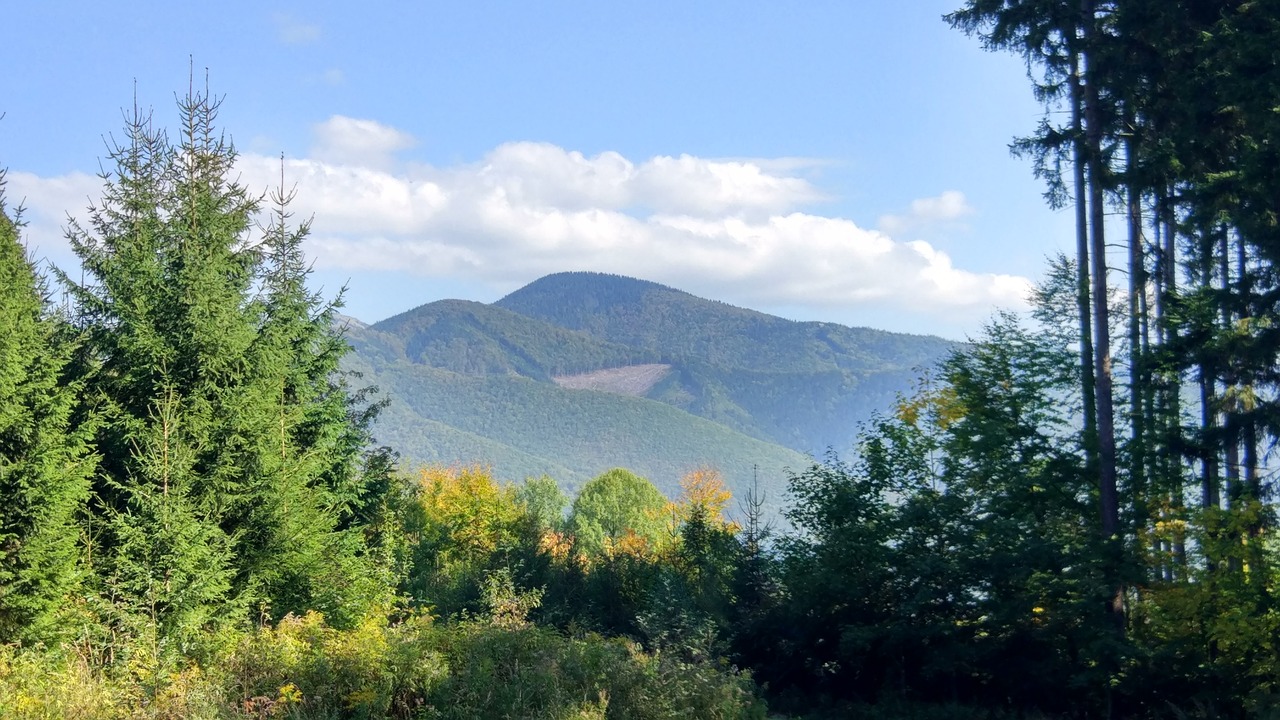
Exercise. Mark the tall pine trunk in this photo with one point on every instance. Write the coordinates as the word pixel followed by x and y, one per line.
pixel 1108 497
pixel 1087 382
pixel 1137 321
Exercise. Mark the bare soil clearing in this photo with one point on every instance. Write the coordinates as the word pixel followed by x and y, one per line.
pixel 634 380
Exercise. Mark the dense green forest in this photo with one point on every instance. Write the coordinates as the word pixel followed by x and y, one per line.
pixel 572 428
pixel 1071 516
pixel 803 385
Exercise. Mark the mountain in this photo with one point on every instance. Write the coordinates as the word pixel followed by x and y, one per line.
pixel 522 428
pixel 579 372
pixel 477 339
pixel 643 314
pixel 805 385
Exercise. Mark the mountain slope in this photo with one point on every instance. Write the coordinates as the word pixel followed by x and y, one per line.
pixel 477 339
pixel 666 382
pixel 524 427
pixel 643 314
pixel 806 385
pixel 425 441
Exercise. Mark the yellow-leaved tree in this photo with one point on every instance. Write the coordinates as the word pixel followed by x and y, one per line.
pixel 468 527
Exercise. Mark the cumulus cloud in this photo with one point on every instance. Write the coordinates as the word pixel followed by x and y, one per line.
pixel 52 198
pixel 928 214
pixel 342 140
pixel 48 204
pixel 703 187
pixel 734 229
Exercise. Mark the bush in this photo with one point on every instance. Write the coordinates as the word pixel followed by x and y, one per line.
pixel 40 684
pixel 303 669
pixel 537 673
pixel 311 670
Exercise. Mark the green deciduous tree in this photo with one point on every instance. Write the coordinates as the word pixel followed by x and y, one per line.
pixel 467 526
pixel 544 502
pixel 615 506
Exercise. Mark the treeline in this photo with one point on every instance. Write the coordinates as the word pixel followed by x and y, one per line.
pixel 1073 517
pixel 955 568
pixel 1161 125
pixel 1161 130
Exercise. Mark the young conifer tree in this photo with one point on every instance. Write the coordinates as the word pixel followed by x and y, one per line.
pixel 44 460
pixel 300 542
pixel 225 410
pixel 166 329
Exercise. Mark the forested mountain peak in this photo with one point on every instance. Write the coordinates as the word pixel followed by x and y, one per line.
pixel 678 325
pixel 589 300
pixel 478 339
pixel 803 385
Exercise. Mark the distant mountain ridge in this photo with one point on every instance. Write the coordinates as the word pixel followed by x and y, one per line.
pixel 578 372
pixel 805 385
pixel 644 314
pixel 477 339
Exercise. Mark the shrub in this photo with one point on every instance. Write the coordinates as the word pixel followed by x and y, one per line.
pixel 49 684
pixel 310 670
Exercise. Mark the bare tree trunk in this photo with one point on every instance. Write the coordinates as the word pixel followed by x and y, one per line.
pixel 1210 491
pixel 1230 381
pixel 1173 391
pixel 1087 383
pixel 1108 497
pixel 1137 360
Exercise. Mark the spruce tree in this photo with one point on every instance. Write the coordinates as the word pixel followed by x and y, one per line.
pixel 44 460
pixel 235 444
pixel 301 542
pixel 166 330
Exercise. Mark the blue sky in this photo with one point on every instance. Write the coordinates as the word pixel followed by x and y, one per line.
pixel 839 161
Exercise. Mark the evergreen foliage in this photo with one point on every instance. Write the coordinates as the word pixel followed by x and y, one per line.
pixel 232 472
pixel 45 459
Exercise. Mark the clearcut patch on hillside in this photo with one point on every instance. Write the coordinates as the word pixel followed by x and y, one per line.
pixel 634 380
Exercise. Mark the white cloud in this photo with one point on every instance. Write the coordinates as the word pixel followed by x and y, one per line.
pixel 292 31
pixel 704 187
pixel 726 228
pixel 929 214
pixel 341 140
pixel 52 198
pixel 736 230
pixel 47 203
